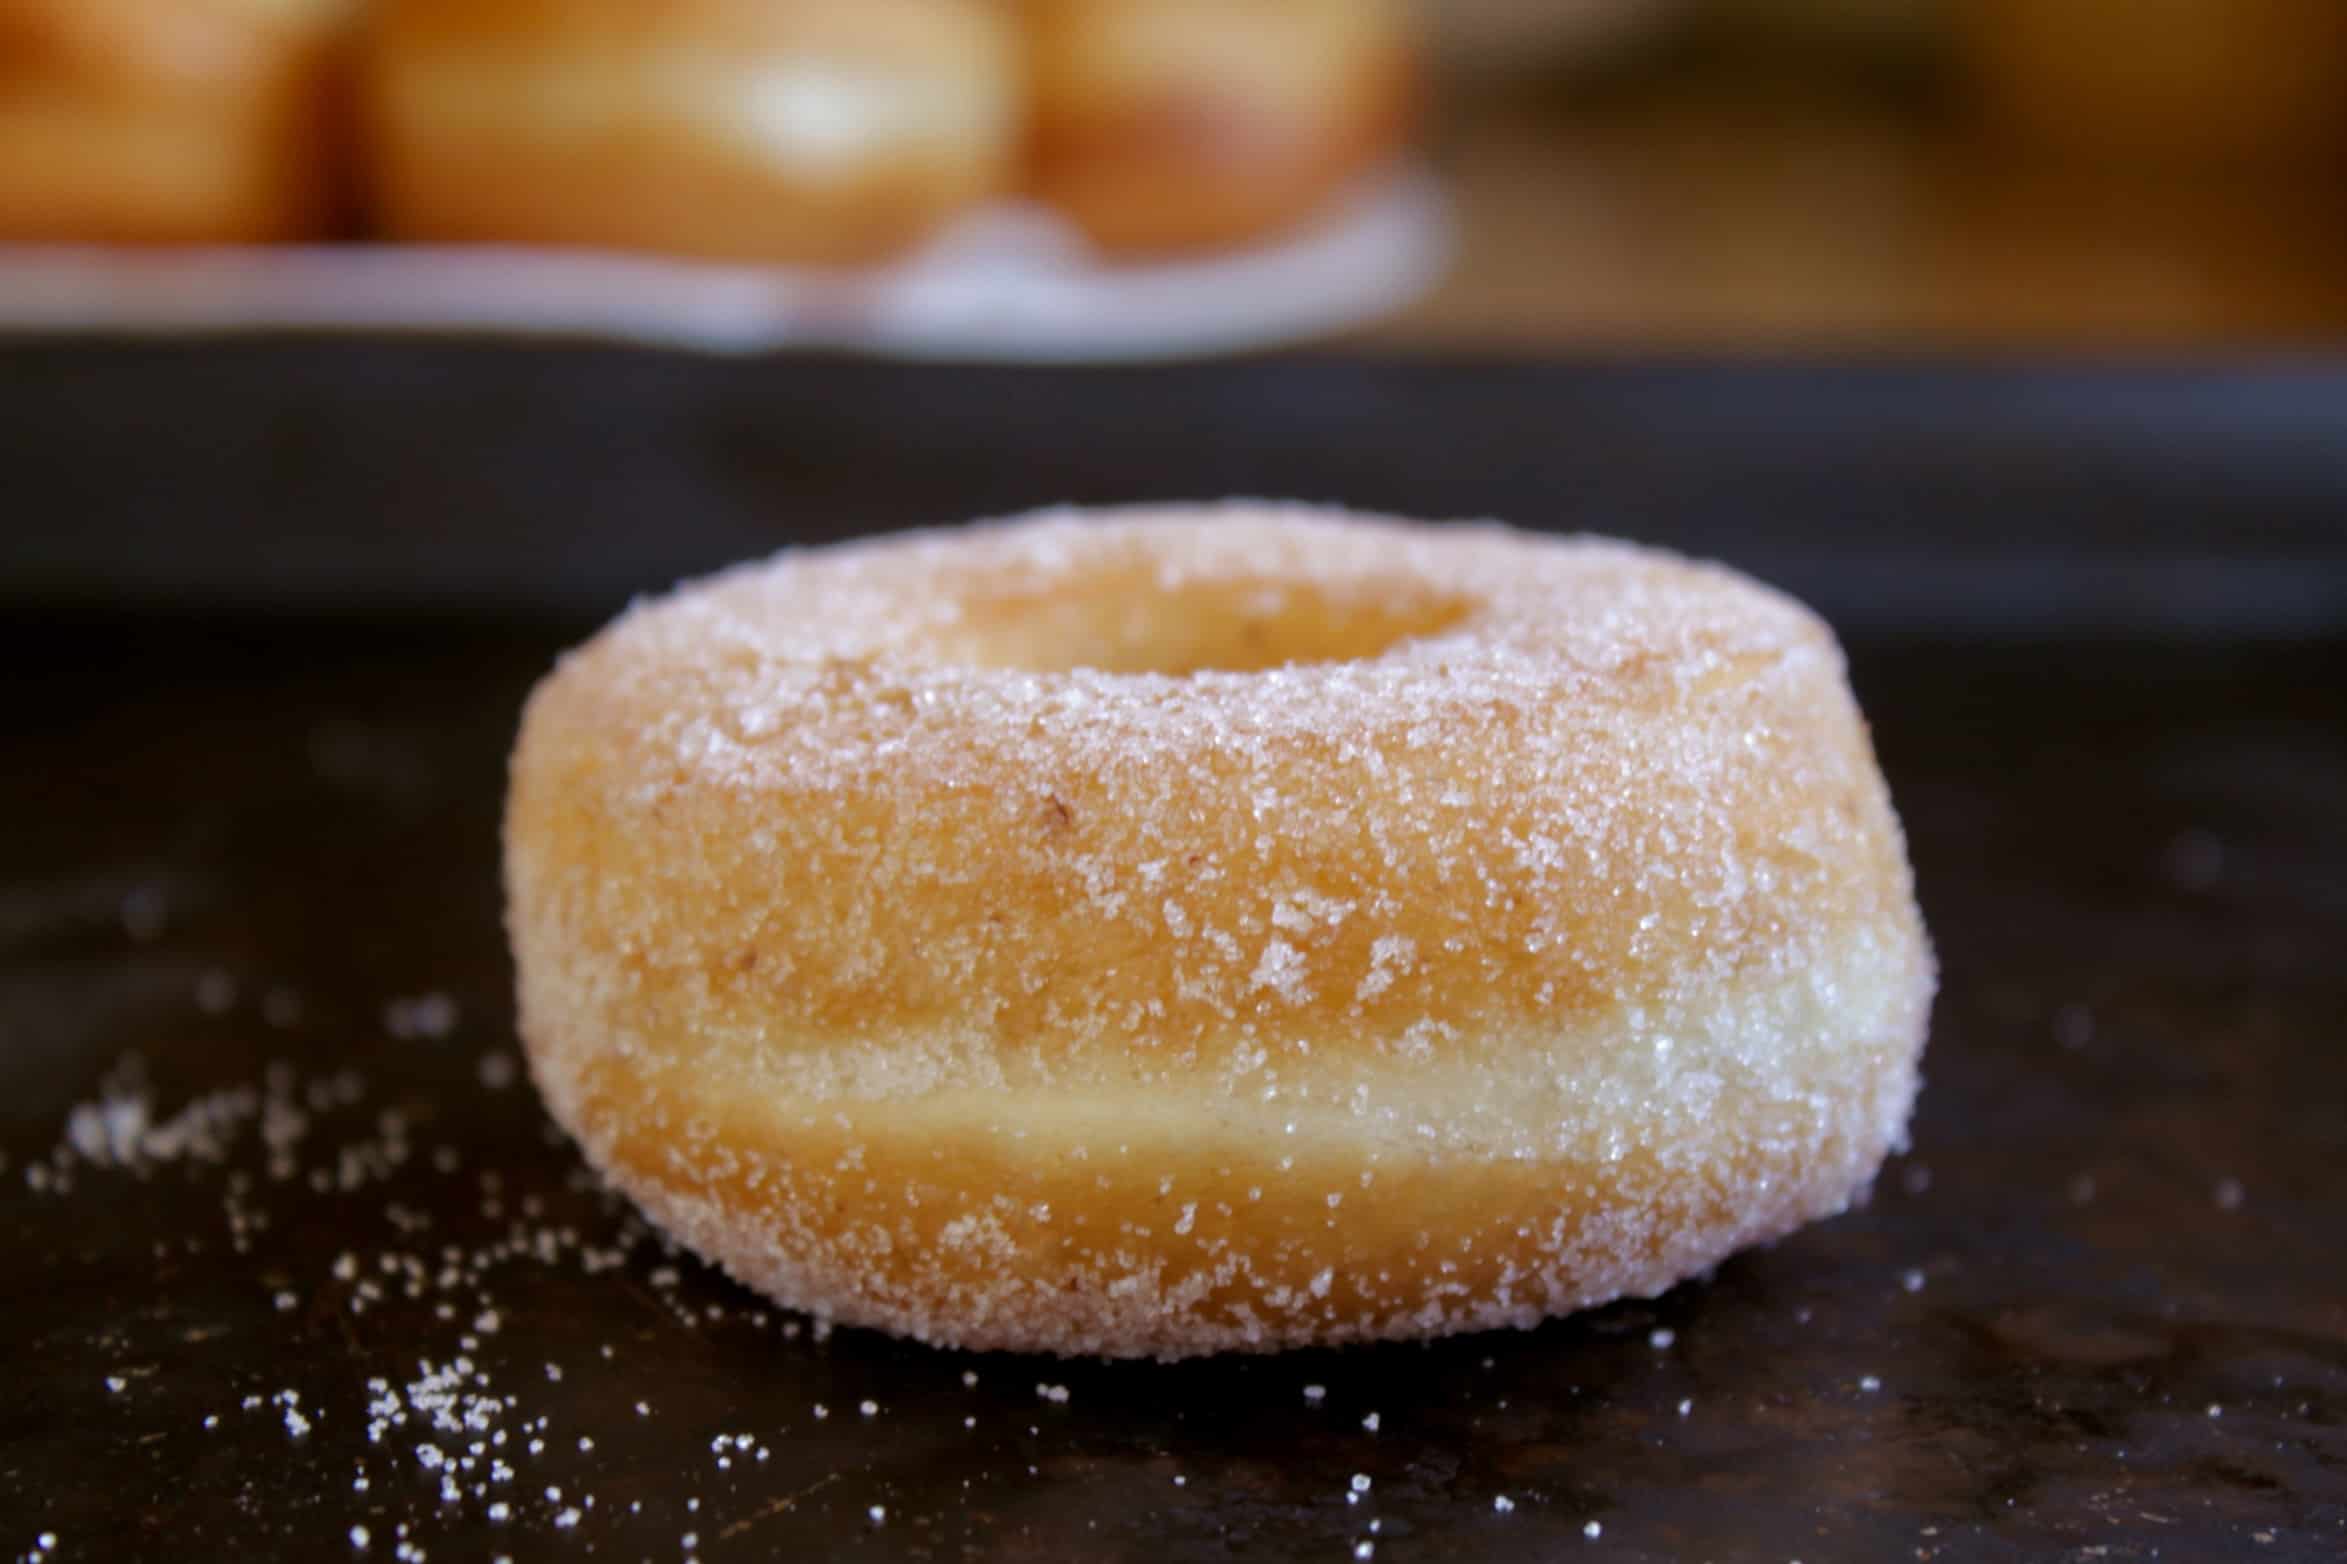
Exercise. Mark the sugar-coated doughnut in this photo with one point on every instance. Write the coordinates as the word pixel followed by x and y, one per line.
pixel 171 121
pixel 1215 928
pixel 1169 125
pixel 813 131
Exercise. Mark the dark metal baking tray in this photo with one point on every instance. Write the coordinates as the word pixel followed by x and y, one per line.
pixel 247 836
pixel 1983 499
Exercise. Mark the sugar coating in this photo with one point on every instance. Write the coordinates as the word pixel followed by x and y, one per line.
pixel 1215 927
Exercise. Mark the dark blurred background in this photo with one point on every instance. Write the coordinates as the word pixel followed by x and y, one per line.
pixel 2082 174
pixel 1969 173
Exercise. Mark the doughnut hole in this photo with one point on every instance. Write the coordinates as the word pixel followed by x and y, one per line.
pixel 1129 622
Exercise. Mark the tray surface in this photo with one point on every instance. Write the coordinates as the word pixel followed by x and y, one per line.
pixel 2102 1304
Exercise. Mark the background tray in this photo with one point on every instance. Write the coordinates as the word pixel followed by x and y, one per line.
pixel 270 615
pixel 1009 283
pixel 1988 499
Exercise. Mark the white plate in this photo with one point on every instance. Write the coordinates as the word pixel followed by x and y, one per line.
pixel 1010 283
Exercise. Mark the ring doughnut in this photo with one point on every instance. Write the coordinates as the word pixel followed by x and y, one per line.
pixel 171 121
pixel 1174 125
pixel 825 132
pixel 1215 928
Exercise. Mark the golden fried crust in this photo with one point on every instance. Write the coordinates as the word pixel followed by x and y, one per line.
pixel 1211 929
pixel 1169 125
pixel 172 121
pixel 816 131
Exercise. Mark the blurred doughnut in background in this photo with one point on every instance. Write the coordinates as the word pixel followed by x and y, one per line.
pixel 172 121
pixel 811 131
pixel 1169 125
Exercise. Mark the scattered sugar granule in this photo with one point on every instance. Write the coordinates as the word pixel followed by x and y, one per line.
pixel 821 1411
pixel 1661 1338
pixel 969 1379
pixel 144 913
pixel 1503 1503
pixel 1869 1384
pixel 215 992
pixel 879 1514
pixel 568 1518
pixel 2230 1194
pixel 358 1536
pixel 868 1408
pixel 1361 1482
pixel 1593 1531
pixel 1912 1280
pixel 1370 1422
pixel 1055 1394
pixel 1315 1394
pixel 1364 1550
pixel 2215 1410
pixel 116 1383
pixel 2194 859
pixel 1686 1407
pixel 430 1016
